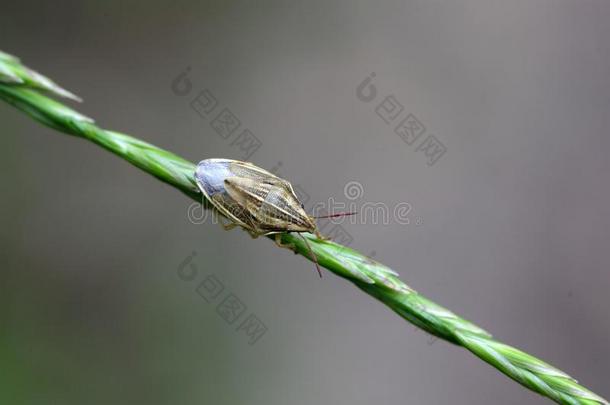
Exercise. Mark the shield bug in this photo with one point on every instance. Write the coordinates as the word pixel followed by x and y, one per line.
pixel 255 199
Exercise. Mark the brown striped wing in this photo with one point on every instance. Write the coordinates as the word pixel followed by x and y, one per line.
pixel 271 202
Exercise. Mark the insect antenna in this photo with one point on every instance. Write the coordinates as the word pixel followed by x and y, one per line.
pixel 313 255
pixel 341 214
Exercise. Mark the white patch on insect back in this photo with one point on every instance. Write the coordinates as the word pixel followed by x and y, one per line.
pixel 211 175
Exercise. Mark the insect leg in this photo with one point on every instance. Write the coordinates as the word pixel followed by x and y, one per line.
pixel 278 242
pixel 229 226
pixel 226 227
pixel 313 255
pixel 320 236
pixel 252 233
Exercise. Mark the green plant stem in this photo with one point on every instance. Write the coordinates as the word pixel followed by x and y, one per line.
pixel 19 86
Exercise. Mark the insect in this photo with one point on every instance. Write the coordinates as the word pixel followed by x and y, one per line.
pixel 256 200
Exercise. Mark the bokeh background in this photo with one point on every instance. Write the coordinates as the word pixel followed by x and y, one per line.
pixel 513 221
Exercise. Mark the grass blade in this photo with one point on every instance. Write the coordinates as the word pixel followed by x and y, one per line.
pixel 21 87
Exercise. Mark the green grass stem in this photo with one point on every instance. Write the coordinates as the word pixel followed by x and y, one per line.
pixel 28 90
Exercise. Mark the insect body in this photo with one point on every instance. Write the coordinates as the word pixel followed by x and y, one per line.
pixel 253 198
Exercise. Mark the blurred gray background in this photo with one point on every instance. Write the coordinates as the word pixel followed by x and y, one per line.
pixel 513 221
